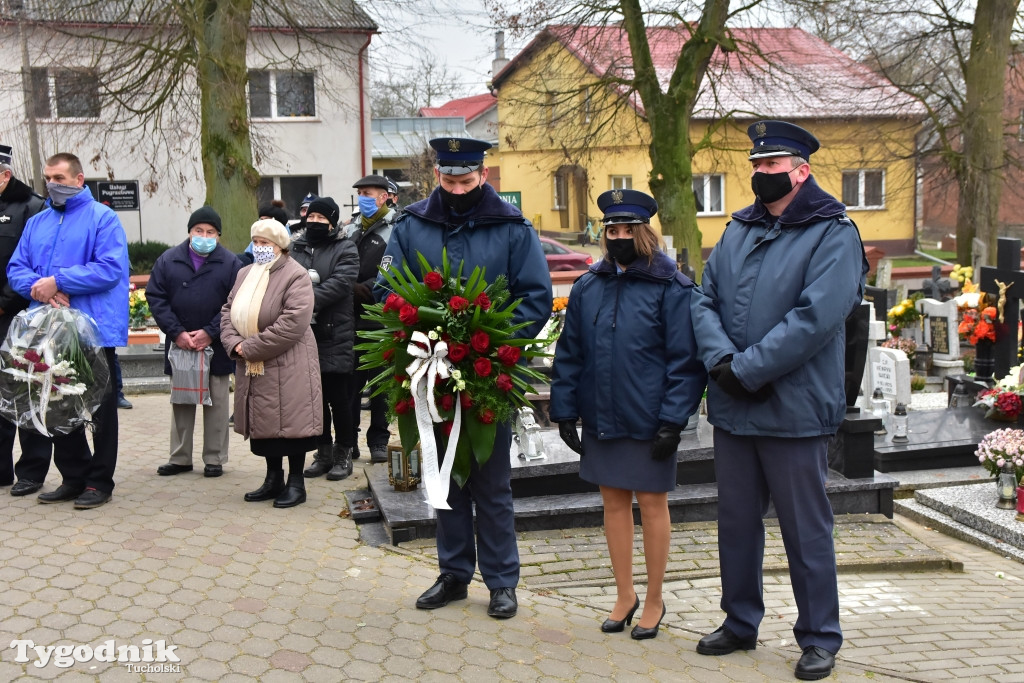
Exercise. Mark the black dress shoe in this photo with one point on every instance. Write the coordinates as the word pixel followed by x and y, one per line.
pixel 444 590
pixel 170 468
pixel 63 493
pixel 503 603
pixel 723 641
pixel 92 498
pixel 613 626
pixel 816 663
pixel 213 471
pixel 641 633
pixel 25 486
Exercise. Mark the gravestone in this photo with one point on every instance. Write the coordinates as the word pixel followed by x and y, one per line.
pixel 941 322
pixel 937 287
pixel 889 371
pixel 883 274
pixel 881 299
pixel 1008 272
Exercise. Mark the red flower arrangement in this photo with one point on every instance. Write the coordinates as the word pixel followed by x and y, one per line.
pixel 977 326
pixel 449 354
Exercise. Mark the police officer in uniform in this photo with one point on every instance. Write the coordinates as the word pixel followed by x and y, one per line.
pixel 465 215
pixel 18 203
pixel 769 319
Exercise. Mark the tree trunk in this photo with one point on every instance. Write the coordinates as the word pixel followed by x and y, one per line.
pixel 231 180
pixel 982 123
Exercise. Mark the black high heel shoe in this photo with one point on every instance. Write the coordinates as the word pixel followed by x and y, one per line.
pixel 612 626
pixel 641 633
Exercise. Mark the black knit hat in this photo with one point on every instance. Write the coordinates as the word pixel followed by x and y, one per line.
pixel 276 212
pixel 326 207
pixel 205 214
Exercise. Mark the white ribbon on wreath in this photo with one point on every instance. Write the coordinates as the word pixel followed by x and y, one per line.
pixel 430 361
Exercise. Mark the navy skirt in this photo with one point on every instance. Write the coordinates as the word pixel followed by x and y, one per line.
pixel 625 464
pixel 283 447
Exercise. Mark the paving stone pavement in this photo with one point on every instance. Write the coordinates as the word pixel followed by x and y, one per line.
pixel 246 592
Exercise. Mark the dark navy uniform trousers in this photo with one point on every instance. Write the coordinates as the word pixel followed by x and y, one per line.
pixel 494 542
pixel 753 471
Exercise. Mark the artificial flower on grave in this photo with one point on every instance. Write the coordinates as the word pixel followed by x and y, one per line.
pixel 138 307
pixel 962 274
pixel 903 314
pixel 452 365
pixel 54 371
pixel 1002 448
pixel 977 326
pixel 1004 401
pixel 970 295
pixel 904 344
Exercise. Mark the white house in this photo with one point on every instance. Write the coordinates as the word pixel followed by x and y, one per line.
pixel 308 105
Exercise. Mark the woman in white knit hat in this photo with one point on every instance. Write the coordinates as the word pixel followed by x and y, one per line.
pixel 265 328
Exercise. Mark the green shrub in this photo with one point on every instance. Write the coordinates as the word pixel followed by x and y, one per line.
pixel 917 382
pixel 968 359
pixel 142 255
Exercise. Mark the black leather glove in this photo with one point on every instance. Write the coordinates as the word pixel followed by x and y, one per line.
pixel 730 384
pixel 567 430
pixel 666 442
pixel 362 292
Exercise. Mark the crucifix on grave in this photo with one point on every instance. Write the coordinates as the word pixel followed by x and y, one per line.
pixel 1005 282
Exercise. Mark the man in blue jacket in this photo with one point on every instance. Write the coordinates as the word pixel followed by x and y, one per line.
pixel 467 217
pixel 74 253
pixel 187 288
pixel 769 318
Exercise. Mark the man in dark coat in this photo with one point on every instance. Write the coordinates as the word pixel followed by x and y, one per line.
pixel 187 288
pixel 18 203
pixel 370 231
pixel 466 217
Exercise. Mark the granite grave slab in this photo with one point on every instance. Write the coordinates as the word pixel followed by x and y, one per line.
pixel 937 439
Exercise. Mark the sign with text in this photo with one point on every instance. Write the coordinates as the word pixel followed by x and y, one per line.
pixel 119 195
pixel 884 374
pixel 513 198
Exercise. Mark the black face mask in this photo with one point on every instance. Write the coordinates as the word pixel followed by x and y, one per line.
pixel 462 203
pixel 317 232
pixel 771 187
pixel 622 251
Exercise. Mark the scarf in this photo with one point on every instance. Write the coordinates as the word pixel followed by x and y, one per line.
pixel 367 222
pixel 245 308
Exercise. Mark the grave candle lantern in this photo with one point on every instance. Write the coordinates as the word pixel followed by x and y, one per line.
pixel 403 468
pixel 879 410
pixel 900 429
pixel 1007 486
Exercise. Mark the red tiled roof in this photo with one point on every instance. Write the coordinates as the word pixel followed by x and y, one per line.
pixel 779 72
pixel 467 107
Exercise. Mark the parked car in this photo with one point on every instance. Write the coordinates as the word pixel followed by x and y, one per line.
pixel 561 257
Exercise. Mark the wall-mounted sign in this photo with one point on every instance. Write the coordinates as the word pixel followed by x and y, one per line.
pixel 119 195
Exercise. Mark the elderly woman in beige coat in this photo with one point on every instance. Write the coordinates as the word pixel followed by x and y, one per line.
pixel 265 329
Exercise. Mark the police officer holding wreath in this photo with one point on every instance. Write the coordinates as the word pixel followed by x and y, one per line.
pixel 769 318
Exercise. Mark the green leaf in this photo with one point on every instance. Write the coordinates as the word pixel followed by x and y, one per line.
pixel 461 466
pixel 408 432
pixel 481 438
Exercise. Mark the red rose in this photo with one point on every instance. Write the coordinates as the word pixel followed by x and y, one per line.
pixel 409 315
pixel 483 301
pixel 457 303
pixel 446 427
pixel 393 303
pixel 32 356
pixel 388 354
pixel 403 406
pixel 433 280
pixel 480 341
pixel 61 380
pixel 400 378
pixel 486 416
pixel 465 400
pixel 504 382
pixel 399 335
pixel 41 367
pixel 458 351
pixel 447 402
pixel 508 355
pixel 482 367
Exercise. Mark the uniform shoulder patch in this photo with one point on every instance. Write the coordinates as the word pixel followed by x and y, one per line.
pixel 385 263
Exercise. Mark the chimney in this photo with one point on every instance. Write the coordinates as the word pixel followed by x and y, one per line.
pixel 499 61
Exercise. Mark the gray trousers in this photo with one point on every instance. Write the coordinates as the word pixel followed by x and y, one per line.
pixel 216 431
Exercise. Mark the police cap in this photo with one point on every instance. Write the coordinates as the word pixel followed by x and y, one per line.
pixel 308 199
pixel 626 206
pixel 459 156
pixel 780 139
pixel 372 181
pixel 6 154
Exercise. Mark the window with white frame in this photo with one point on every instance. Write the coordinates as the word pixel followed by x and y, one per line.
pixel 707 191
pixel 864 189
pixel 561 193
pixel 290 189
pixel 586 104
pixel 65 93
pixel 620 182
pixel 281 94
pixel 1020 127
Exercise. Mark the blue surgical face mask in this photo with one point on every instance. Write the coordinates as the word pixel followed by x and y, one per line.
pixel 262 255
pixel 203 245
pixel 367 206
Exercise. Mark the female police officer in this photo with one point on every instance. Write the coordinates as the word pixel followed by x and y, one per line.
pixel 626 363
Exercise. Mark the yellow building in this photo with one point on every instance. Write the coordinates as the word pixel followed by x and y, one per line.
pixel 570 128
